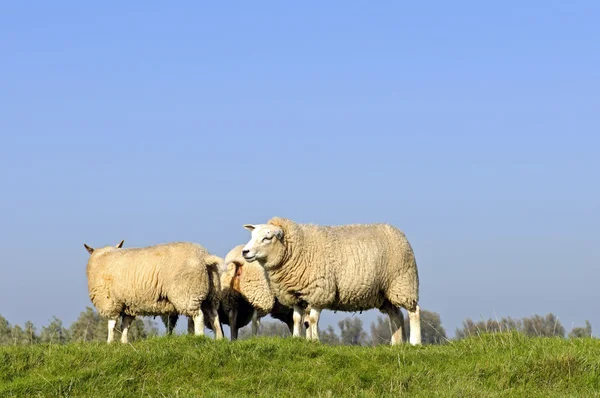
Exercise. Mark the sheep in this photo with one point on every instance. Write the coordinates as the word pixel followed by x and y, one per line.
pixel 345 268
pixel 167 279
pixel 246 295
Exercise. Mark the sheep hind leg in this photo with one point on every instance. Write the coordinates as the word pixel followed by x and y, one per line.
pixel 255 323
pixel 216 323
pixel 396 322
pixel 199 324
pixel 297 321
pixel 415 325
pixel 190 325
pixel 313 320
pixel 112 324
pixel 126 321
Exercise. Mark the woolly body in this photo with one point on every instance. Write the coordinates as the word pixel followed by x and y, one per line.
pixel 345 268
pixel 173 278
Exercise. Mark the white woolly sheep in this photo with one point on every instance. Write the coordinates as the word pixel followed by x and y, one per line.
pixel 344 268
pixel 173 278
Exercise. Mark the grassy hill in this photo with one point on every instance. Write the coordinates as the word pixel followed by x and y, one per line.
pixel 492 365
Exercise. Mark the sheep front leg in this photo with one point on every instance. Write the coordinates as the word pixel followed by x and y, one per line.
pixel 313 320
pixel 112 324
pixel 125 323
pixel 306 323
pixel 297 321
pixel 255 323
pixel 199 324
pixel 308 331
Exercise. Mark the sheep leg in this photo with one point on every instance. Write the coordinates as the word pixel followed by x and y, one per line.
pixel 233 324
pixel 255 323
pixel 171 322
pixel 306 323
pixel 190 327
pixel 415 326
pixel 297 321
pixel 125 323
pixel 199 324
pixel 216 323
pixel 112 324
pixel 313 320
pixel 396 324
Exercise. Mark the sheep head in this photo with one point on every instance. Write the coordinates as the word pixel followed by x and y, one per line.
pixel 266 245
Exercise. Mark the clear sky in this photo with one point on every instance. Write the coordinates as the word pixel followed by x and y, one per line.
pixel 474 128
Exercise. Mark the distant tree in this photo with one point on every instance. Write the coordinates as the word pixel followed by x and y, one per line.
pixel 548 326
pixel 18 336
pixel 579 332
pixel 30 333
pixel 328 336
pixel 432 331
pixel 381 333
pixel 267 329
pixel 275 328
pixel 5 332
pixel 351 331
pixel 151 328
pixel 535 325
pixel 508 324
pixel 471 328
pixel 54 332
pixel 245 333
pixel 89 326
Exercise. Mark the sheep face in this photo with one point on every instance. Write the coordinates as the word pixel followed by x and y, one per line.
pixel 265 246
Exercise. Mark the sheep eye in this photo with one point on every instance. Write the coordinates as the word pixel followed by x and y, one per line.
pixel 267 238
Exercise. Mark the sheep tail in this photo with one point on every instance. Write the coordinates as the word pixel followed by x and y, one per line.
pixel 213 261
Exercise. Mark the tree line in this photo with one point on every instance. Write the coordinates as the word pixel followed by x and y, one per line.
pixel 91 327
pixel 350 330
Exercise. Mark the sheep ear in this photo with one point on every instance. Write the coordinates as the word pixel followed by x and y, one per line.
pixel 249 227
pixel 278 232
pixel 238 268
pixel 89 249
pixel 120 245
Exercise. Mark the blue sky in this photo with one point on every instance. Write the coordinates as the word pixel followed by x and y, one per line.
pixel 472 127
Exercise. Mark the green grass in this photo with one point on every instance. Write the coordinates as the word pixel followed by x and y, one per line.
pixel 492 365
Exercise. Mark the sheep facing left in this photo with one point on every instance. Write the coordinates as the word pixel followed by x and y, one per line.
pixel 173 278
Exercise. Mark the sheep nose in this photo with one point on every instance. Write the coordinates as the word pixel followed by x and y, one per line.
pixel 245 251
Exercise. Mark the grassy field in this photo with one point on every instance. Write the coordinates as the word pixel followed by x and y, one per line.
pixel 492 365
